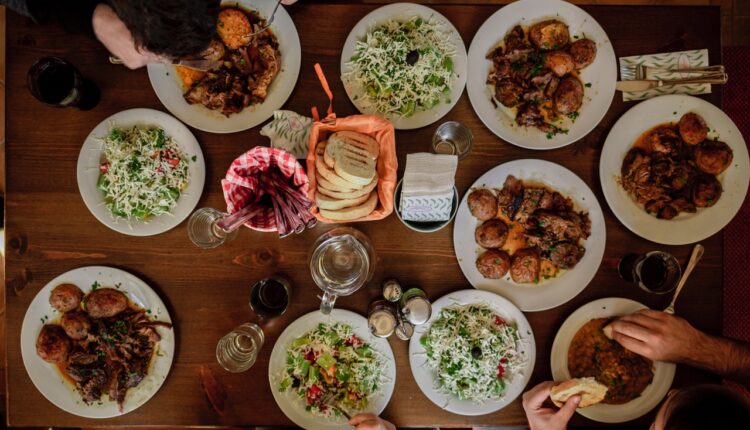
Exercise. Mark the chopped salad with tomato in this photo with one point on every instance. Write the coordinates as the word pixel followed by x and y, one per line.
pixel 143 173
pixel 473 351
pixel 331 359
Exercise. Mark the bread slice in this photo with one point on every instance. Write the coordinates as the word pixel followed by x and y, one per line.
pixel 608 331
pixel 354 168
pixel 328 185
pixel 360 142
pixel 353 212
pixel 350 194
pixel 330 203
pixel 590 390
pixel 328 173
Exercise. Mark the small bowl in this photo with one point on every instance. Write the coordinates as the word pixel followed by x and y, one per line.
pixel 427 226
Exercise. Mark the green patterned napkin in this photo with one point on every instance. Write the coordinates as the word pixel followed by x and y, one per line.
pixel 289 131
pixel 671 60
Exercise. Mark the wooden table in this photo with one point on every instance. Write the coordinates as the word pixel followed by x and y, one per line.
pixel 50 231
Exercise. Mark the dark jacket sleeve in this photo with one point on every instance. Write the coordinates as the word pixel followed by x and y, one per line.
pixel 74 15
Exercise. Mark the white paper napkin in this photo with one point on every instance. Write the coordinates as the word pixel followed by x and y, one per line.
pixel 427 187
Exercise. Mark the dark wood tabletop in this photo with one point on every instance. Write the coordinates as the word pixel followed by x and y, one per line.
pixel 50 231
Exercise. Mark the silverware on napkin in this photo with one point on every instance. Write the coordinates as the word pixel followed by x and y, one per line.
pixel 647 84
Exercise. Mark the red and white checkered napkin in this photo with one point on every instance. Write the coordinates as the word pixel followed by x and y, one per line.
pixel 241 185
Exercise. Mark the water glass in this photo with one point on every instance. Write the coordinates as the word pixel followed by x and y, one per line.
pixel 238 350
pixel 452 138
pixel 270 297
pixel 204 231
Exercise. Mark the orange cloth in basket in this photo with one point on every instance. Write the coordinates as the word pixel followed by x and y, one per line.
pixel 376 127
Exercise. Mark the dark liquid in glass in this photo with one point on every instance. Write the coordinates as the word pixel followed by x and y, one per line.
pixel 656 274
pixel 269 298
pixel 56 82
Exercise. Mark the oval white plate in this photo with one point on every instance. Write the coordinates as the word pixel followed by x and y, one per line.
pixel 552 292
pixel 426 378
pixel 91 156
pixel 168 88
pixel 605 308
pixel 403 12
pixel 48 379
pixel 685 228
pixel 601 74
pixel 291 405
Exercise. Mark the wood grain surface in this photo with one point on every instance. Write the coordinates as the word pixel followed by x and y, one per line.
pixel 50 231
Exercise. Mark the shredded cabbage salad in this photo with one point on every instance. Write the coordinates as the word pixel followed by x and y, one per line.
pixel 403 67
pixel 331 359
pixel 473 351
pixel 143 173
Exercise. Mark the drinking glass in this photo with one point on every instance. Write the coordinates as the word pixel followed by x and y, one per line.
pixel 237 351
pixel 58 83
pixel 452 138
pixel 204 231
pixel 341 262
pixel 270 297
pixel 657 272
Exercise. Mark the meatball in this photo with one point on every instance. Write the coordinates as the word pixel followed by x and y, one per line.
pixel 561 63
pixel 105 303
pixel 713 157
pixel 693 128
pixel 76 325
pixel 508 92
pixel 566 255
pixel 583 52
pixel 549 35
pixel 706 191
pixel 491 234
pixel 52 345
pixel 569 95
pixel 493 263
pixel 65 297
pixel 525 265
pixel 483 204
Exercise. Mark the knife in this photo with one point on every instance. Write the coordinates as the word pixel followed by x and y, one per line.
pixel 200 64
pixel 644 85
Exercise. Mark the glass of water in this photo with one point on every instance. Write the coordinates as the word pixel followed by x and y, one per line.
pixel 238 350
pixel 204 231
pixel 453 138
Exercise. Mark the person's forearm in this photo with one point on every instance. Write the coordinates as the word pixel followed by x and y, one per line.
pixel 726 357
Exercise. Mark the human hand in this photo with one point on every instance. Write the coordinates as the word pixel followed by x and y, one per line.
pixel 288 2
pixel 370 422
pixel 657 335
pixel 543 418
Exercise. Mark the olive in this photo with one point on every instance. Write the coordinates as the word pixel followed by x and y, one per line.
pixel 476 352
pixel 412 57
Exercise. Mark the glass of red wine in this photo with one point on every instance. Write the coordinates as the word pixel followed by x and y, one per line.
pixel 270 297
pixel 657 272
pixel 58 83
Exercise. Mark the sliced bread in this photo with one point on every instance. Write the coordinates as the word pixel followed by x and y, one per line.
pixel 362 143
pixel 353 212
pixel 329 174
pixel 330 203
pixel 353 168
pixel 349 194
pixel 590 390
pixel 330 186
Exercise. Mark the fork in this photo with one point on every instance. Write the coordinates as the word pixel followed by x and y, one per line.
pixel 330 400
pixel 269 21
pixel 694 258
pixel 641 70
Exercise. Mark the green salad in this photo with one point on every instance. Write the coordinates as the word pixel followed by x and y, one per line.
pixel 143 173
pixel 403 67
pixel 473 351
pixel 331 360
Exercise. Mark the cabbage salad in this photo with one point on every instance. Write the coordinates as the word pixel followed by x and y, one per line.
pixel 473 351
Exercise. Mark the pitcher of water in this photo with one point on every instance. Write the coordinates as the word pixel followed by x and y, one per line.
pixel 341 262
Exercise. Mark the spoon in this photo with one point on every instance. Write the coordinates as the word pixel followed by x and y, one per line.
pixel 694 258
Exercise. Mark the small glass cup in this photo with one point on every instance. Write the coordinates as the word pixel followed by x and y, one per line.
pixel 204 231
pixel 656 272
pixel 270 297
pixel 55 82
pixel 237 351
pixel 452 138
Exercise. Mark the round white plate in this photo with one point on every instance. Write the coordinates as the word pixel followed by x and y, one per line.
pixel 48 379
pixel 601 74
pixel 685 228
pixel 404 12
pixel 651 396
pixel 552 292
pixel 168 87
pixel 426 378
pixel 91 156
pixel 291 405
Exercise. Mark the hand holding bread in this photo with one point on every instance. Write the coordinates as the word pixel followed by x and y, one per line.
pixel 590 390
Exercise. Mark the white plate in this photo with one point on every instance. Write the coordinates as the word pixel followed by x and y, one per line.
pixel 168 87
pixel 48 379
pixel 552 292
pixel 91 156
pixel 291 405
pixel 404 12
pixel 601 74
pixel 426 378
pixel 685 228
pixel 651 396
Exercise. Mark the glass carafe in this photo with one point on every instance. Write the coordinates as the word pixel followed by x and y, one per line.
pixel 341 262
